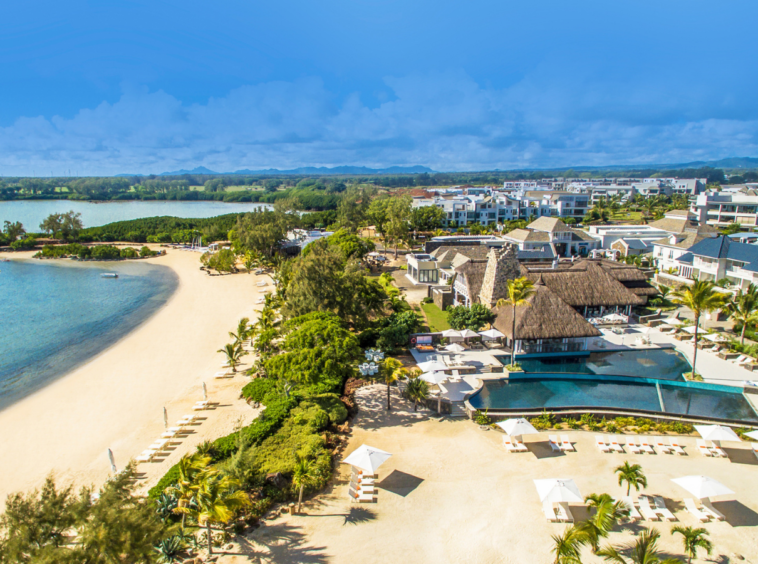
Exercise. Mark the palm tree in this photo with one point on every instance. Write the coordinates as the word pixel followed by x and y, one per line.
pixel 305 474
pixel 607 514
pixel 233 355
pixel 216 500
pixel 633 475
pixel 519 292
pixel 662 299
pixel 567 547
pixel 243 331
pixel 743 309
pixel 693 539
pixel 190 467
pixel 392 371
pixel 417 390
pixel 699 298
pixel 643 551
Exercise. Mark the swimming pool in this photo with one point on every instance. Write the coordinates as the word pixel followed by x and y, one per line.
pixel 553 391
pixel 662 364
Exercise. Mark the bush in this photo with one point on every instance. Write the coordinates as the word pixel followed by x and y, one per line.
pixel 482 418
pixel 257 389
pixel 146 252
pixel 332 405
pixel 278 453
pixel 128 253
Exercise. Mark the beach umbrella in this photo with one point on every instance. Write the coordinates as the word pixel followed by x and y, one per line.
pixel 367 458
pixel 491 334
pixel 468 333
pixel 432 366
pixel 752 435
pixel 112 461
pixel 672 321
pixel 165 418
pixel 690 329
pixel 715 337
pixel 517 427
pixel 434 377
pixel 451 333
pixel 717 433
pixel 205 392
pixel 615 318
pixel 558 490
pixel 455 347
pixel 702 486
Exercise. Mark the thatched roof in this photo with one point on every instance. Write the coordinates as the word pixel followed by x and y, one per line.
pixel 587 284
pixel 472 274
pixel 547 317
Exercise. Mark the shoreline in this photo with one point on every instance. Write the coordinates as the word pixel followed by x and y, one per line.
pixel 115 399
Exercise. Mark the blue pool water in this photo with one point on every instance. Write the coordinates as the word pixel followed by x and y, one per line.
pixel 662 364
pixel 551 391
pixel 55 315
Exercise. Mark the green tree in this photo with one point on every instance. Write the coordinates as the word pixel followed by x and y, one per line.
pixel 743 309
pixel 217 499
pixel 693 540
pixel 71 224
pixel 190 468
pixel 606 515
pixel 304 475
pixel 13 230
pixel 643 551
pixel 391 370
pixel 472 317
pixel 263 232
pixel 567 546
pixel 426 218
pixel 519 292
pixel 242 333
pixel 52 224
pixel 699 298
pixel 234 354
pixel 396 227
pixel 731 229
pixel 416 391
pixel 398 329
pixel 633 475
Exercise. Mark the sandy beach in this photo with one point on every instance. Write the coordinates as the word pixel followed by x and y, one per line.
pixel 116 399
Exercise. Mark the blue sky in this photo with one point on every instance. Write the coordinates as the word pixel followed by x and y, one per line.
pixel 106 87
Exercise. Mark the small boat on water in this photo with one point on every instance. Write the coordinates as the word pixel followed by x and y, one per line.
pixel 109 275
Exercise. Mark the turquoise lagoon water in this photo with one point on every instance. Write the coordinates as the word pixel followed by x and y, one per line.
pixel 54 315
pixel 32 212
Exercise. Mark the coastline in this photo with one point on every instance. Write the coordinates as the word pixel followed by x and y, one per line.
pixel 115 400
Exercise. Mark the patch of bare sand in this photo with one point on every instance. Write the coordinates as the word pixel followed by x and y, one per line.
pixel 116 399
pixel 451 493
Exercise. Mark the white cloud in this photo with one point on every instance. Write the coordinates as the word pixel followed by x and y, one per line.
pixel 446 121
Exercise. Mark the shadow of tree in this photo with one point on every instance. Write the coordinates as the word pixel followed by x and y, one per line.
pixel 400 483
pixel 280 543
pixel 373 414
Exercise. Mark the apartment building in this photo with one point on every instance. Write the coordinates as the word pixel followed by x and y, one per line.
pixel 718 258
pixel 722 208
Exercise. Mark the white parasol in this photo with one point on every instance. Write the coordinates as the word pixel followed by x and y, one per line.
pixel 558 490
pixel 434 377
pixel 455 347
pixel 491 334
pixel 112 460
pixel 517 427
pixel 205 392
pixel 702 486
pixel 367 458
pixel 468 333
pixel 447 333
pixel 752 435
pixel 432 366
pixel 717 433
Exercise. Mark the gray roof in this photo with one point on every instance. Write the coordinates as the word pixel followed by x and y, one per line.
pixel 545 252
pixel 724 248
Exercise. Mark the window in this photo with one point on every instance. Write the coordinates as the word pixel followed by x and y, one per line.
pixel 427 276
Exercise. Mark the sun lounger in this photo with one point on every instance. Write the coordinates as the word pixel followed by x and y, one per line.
pixel 716 449
pixel 740 359
pixel 564 513
pixel 146 456
pixel 703 448
pixel 647 511
pixel 566 443
pixel 553 442
pixel 692 508
pixel 668 331
pixel 727 355
pixel 168 434
pixel 712 511
pixel 678 449
pixel 613 441
pixel 513 446
pixel 633 446
pixel 219 375
pixel 600 443
pixel 159 445
pixel 662 510
pixel 664 448
pixel 628 502
pixel 549 511
pixel 200 405
pixel 645 445
pixel 362 488
pixel 361 497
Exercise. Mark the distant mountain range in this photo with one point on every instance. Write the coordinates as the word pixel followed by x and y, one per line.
pixel 306 170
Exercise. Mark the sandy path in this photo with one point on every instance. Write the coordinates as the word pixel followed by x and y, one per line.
pixel 116 400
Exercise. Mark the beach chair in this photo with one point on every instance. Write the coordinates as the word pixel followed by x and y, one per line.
pixel 159 445
pixel 359 497
pixel 146 456
pixel 631 443
pixel 678 449
pixel 362 488
pixel 553 442
pixel 220 375
pixel 600 443
pixel 566 444
pixel 712 511
pixel 613 441
pixel 694 510
pixel 564 513
pixel 717 450
pixel 169 433
pixel 520 447
pixel 664 448
pixel 509 444
pixel 645 445
pixel 703 448
pixel 628 502
pixel 549 511
pixel 740 359
pixel 662 510
pixel 647 511
pixel 200 406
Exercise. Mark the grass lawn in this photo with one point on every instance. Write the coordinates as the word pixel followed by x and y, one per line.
pixel 627 216
pixel 435 318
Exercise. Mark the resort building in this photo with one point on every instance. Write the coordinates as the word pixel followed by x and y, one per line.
pixel 550 236
pixel 684 232
pixel 720 258
pixel 719 209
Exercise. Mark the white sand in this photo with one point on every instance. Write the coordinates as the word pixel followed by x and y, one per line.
pixel 116 399
pixel 452 494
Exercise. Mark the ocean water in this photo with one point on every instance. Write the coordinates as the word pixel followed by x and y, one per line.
pixel 32 212
pixel 55 315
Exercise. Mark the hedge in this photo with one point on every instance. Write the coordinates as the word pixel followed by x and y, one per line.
pixel 265 425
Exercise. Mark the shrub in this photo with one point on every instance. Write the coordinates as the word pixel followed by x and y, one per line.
pixel 128 253
pixel 278 453
pixel 332 405
pixel 146 252
pixel 573 423
pixel 258 388
pixel 611 427
pixel 482 418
